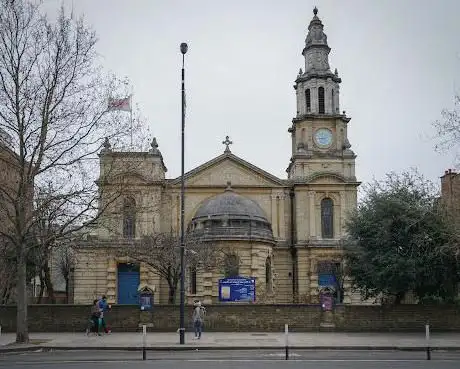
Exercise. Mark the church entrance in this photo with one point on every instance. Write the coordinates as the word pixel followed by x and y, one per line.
pixel 128 282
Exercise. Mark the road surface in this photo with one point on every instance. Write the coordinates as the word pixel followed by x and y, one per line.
pixel 230 360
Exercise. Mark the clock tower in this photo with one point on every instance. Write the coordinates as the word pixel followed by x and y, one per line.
pixel 319 130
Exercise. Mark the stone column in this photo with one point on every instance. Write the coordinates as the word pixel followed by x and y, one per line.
pixel 314 99
pixel 312 214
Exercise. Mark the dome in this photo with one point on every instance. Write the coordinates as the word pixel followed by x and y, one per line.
pixel 230 204
pixel 230 216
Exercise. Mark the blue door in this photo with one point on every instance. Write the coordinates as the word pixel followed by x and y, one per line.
pixel 128 283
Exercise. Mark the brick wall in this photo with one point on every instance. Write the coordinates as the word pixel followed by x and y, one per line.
pixel 397 318
pixel 126 318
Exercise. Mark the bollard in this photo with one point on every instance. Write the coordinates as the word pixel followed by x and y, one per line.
pixel 286 338
pixel 427 338
pixel 144 339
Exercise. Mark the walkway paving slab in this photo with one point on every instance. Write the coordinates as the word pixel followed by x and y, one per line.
pixel 226 341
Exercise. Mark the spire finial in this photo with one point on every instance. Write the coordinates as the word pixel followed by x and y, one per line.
pixel 154 147
pixel 315 10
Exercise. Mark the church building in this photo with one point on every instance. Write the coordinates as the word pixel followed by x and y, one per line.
pixel 286 232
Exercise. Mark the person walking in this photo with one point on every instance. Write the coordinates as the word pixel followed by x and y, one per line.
pixel 103 308
pixel 198 320
pixel 94 319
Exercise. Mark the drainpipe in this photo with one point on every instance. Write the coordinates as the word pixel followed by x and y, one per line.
pixel 293 248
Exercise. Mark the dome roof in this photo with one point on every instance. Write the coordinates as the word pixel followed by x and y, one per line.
pixel 230 204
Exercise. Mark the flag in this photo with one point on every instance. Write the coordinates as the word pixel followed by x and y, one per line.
pixel 120 104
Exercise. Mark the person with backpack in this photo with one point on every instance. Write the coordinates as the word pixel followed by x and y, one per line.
pixel 198 319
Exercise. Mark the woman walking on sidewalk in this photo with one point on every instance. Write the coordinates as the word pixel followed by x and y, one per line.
pixel 94 319
pixel 198 319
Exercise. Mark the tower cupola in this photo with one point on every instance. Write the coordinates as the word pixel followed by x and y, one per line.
pixel 317 87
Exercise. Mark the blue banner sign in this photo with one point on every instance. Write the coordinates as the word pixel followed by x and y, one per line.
pixel 237 289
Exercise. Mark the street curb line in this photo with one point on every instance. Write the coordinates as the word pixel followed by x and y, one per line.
pixel 227 348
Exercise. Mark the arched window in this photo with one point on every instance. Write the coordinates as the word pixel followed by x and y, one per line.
pixel 192 276
pixel 321 100
pixel 268 274
pixel 308 100
pixel 332 102
pixel 231 265
pixel 327 218
pixel 129 217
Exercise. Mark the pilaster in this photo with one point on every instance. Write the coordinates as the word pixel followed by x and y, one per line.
pixel 343 207
pixel 282 220
pixel 274 215
pixel 207 288
pixel 111 280
pixel 312 214
pixel 303 274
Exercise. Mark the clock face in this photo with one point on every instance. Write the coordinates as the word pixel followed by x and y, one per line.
pixel 323 137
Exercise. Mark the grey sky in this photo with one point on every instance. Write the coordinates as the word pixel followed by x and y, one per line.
pixel 399 63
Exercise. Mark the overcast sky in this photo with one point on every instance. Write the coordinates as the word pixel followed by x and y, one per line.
pixel 399 63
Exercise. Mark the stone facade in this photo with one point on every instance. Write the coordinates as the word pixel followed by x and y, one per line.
pixel 304 214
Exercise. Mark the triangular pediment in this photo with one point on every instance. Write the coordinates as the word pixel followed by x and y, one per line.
pixel 229 168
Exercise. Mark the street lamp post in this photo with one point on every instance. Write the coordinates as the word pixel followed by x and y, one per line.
pixel 183 50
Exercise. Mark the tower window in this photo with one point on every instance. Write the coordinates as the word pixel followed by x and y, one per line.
pixel 321 100
pixel 327 218
pixel 332 102
pixel 308 100
pixel 129 217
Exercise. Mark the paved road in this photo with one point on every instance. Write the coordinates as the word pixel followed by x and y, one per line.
pixel 229 359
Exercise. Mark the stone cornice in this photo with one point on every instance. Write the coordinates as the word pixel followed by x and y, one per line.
pixel 308 76
pixel 313 116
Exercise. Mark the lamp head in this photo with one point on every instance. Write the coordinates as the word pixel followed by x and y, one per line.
pixel 183 47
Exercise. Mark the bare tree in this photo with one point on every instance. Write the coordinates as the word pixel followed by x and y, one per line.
pixel 54 109
pixel 63 261
pixel 448 128
pixel 162 253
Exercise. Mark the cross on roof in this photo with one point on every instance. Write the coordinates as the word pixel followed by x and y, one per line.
pixel 227 143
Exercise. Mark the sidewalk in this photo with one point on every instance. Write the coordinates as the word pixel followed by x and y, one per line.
pixel 228 341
